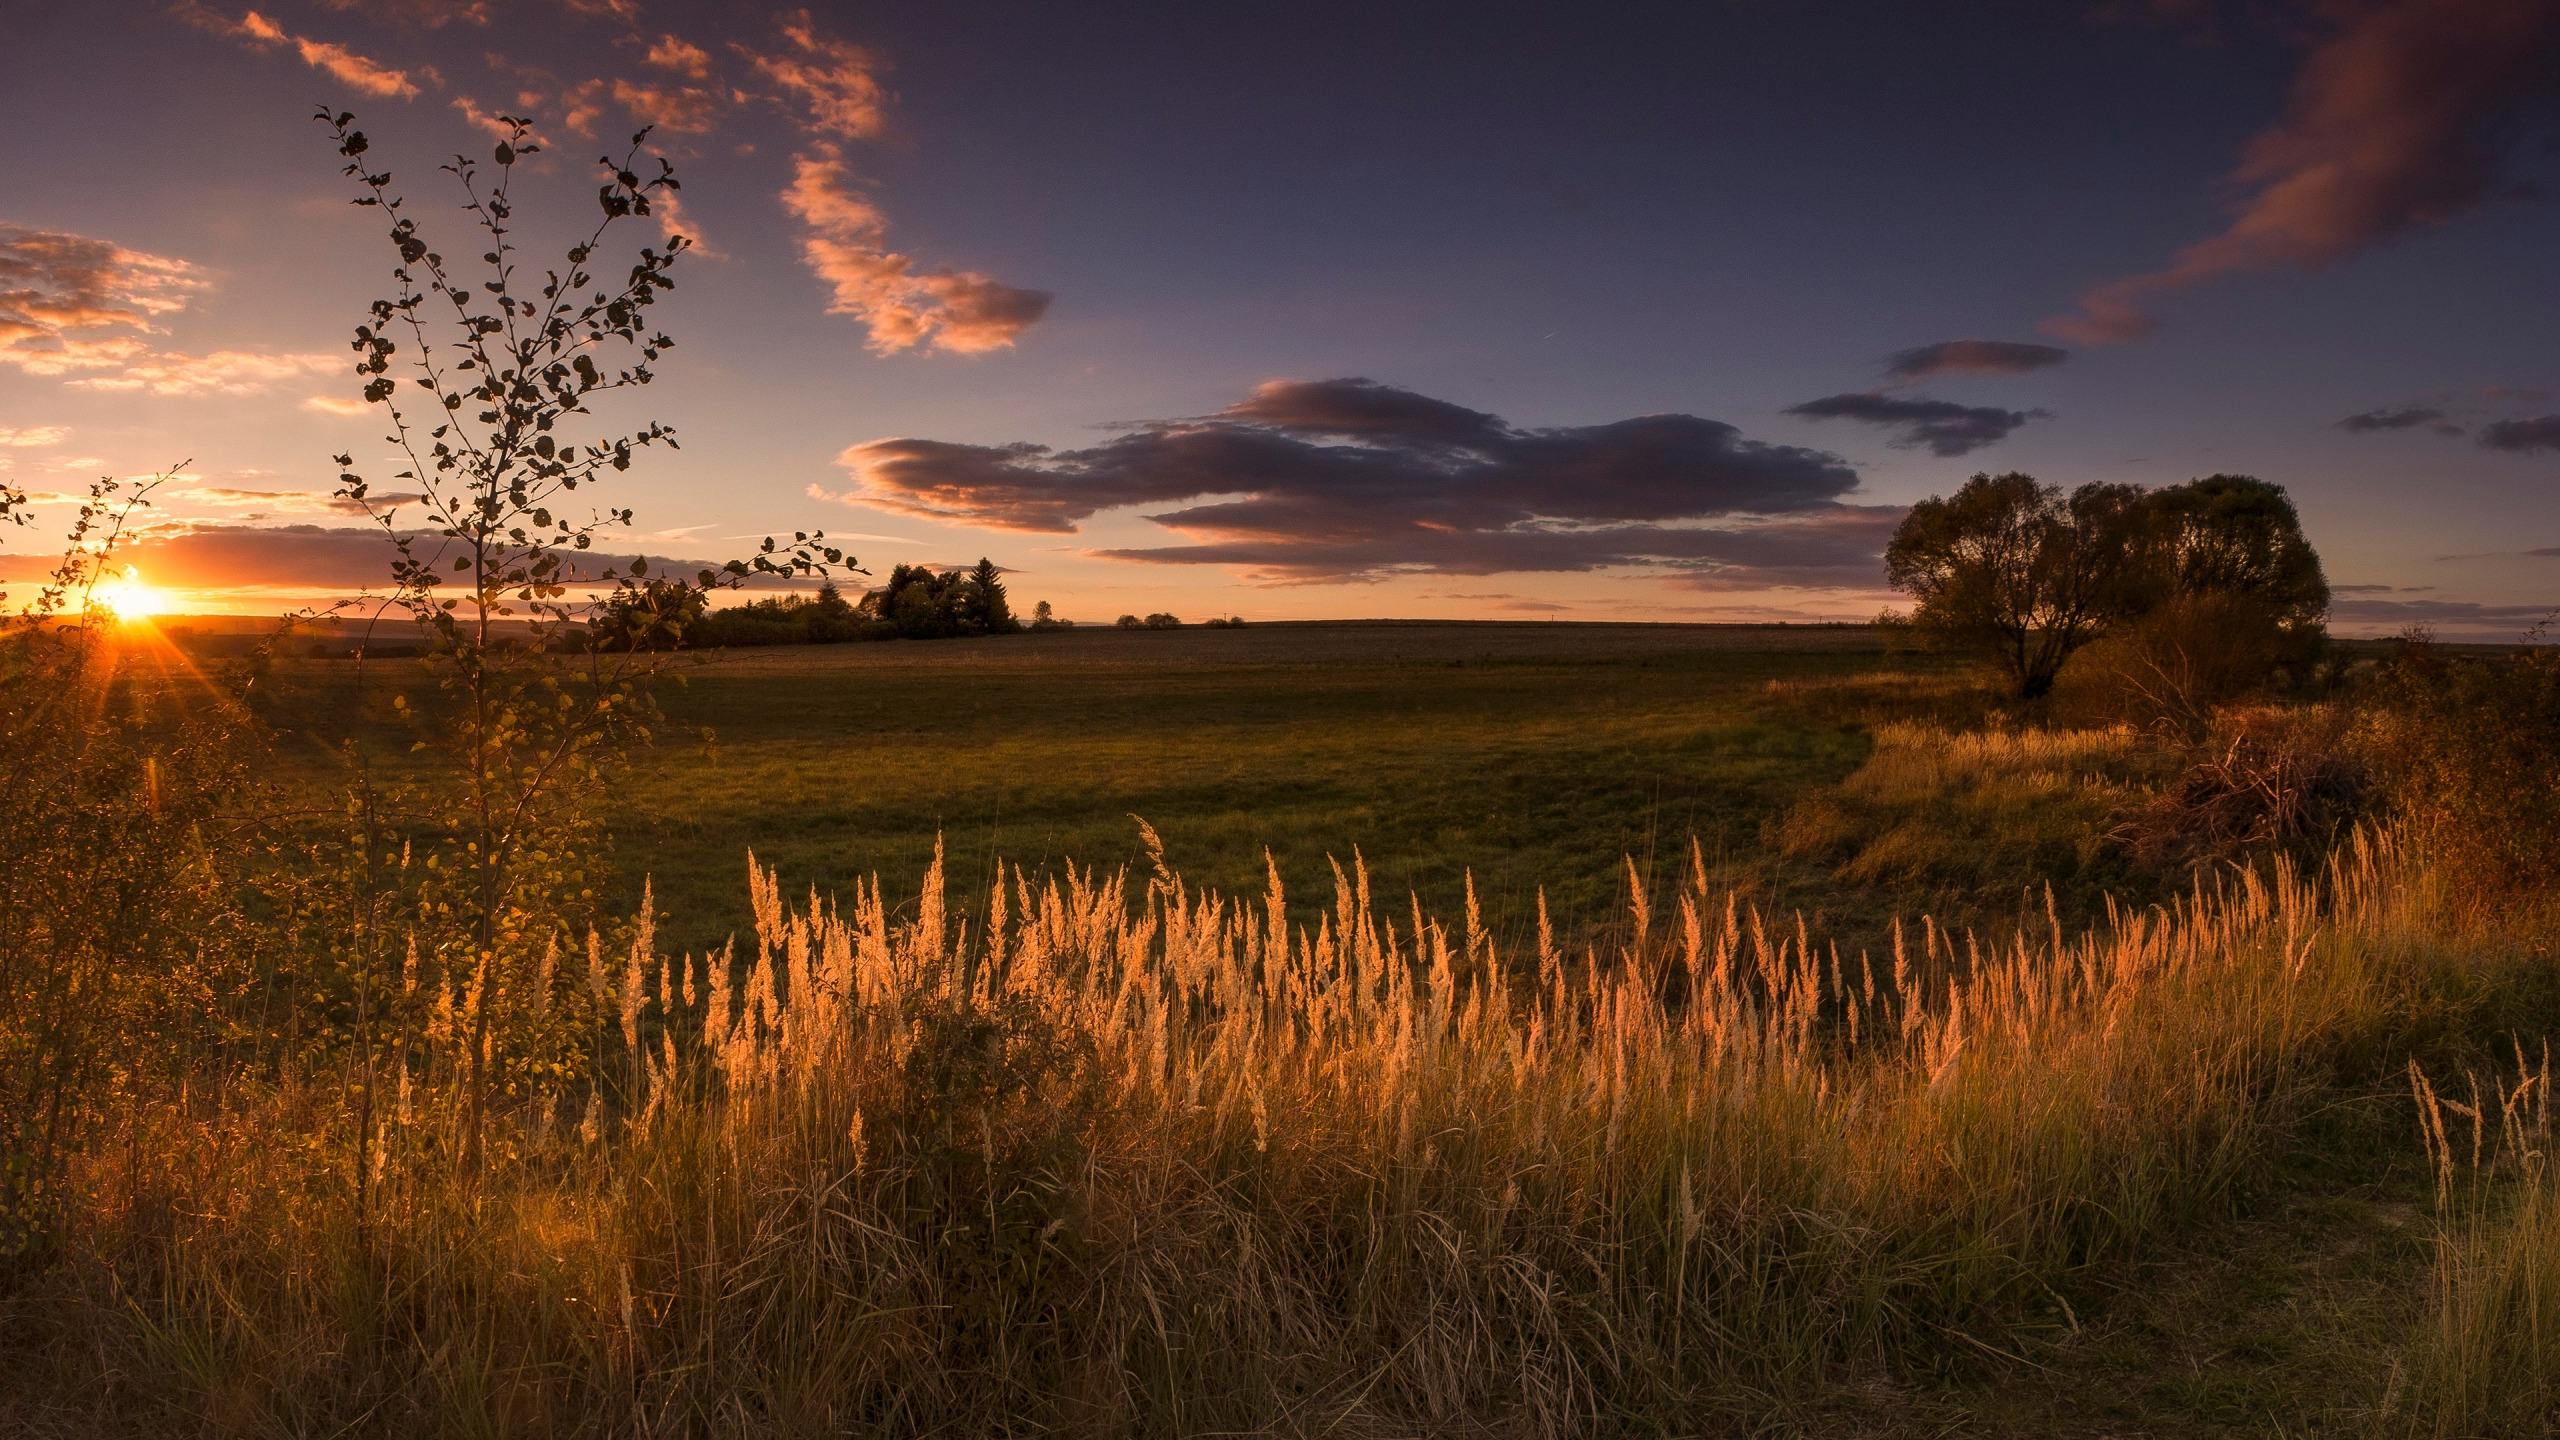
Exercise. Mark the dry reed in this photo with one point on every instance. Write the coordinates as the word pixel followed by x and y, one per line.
pixel 1118 1157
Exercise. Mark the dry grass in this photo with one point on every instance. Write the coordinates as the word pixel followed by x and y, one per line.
pixel 1973 821
pixel 1116 1157
pixel 2486 1359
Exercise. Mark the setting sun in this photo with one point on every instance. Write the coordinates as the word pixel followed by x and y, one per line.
pixel 128 598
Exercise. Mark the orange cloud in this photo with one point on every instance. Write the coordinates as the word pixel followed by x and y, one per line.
pixel 667 208
pixel 839 83
pixel 33 437
pixel 958 311
pixel 686 109
pixel 333 404
pixel 2394 126
pixel 496 128
pixel 682 57
pixel 54 284
pixel 350 68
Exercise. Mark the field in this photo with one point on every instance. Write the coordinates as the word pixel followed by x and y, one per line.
pixel 1863 1080
pixel 1530 755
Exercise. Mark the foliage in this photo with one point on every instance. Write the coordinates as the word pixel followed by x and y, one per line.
pixel 2467 748
pixel 923 605
pixel 2198 589
pixel 524 732
pixel 121 935
pixel 2009 566
pixel 2234 536
pixel 1043 618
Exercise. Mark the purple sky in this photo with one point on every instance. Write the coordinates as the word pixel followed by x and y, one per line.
pixel 1642 312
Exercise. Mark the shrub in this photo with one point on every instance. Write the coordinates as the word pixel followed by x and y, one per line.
pixel 2272 778
pixel 2174 667
pixel 121 931
pixel 1129 622
pixel 2469 749
pixel 1163 621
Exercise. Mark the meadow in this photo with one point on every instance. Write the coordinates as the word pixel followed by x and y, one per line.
pixel 1858 1078
pixel 1529 755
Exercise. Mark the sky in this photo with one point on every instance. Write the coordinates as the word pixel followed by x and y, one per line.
pixel 1625 312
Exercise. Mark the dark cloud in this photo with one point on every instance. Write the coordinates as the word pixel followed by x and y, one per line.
pixel 1352 479
pixel 2407 417
pixel 2523 437
pixel 1839 546
pixel 2401 121
pixel 1944 426
pixel 1970 357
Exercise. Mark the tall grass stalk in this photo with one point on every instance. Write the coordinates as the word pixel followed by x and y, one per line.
pixel 2486 1358
pixel 1115 1156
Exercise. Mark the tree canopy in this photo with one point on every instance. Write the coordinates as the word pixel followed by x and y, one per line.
pixel 2014 568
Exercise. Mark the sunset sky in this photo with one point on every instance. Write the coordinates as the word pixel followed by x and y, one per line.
pixel 1584 311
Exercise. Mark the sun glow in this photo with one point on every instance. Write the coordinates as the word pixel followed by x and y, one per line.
pixel 128 598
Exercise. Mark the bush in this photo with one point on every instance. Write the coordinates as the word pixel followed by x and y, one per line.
pixel 1129 622
pixel 2173 668
pixel 2469 750
pixel 1162 621
pixel 2273 778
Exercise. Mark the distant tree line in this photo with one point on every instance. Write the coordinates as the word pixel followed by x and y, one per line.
pixel 917 603
pixel 2192 593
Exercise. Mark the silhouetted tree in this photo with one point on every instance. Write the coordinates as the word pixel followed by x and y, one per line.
pixel 995 614
pixel 2204 587
pixel 2236 536
pixel 2011 567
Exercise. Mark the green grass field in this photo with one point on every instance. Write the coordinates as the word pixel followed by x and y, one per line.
pixel 1529 754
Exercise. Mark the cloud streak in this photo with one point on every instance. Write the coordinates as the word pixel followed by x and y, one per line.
pixel 355 71
pixel 1352 480
pixel 902 307
pixel 1943 426
pixel 2400 122
pixel 2405 417
pixel 1969 357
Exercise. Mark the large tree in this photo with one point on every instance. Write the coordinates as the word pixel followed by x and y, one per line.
pixel 2235 537
pixel 2011 566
